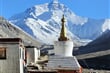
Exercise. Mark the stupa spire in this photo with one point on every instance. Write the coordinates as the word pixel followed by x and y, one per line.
pixel 63 30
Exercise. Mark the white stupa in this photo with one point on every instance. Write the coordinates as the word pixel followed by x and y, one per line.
pixel 63 60
pixel 64 46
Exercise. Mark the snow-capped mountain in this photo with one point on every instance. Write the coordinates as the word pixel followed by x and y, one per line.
pixel 44 23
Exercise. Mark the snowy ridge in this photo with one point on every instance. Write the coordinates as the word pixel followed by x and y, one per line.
pixel 106 25
pixel 44 23
pixel 21 30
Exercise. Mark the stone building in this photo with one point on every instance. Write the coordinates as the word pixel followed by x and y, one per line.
pixel 12 55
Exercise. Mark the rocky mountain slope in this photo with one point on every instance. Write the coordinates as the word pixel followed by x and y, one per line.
pixel 9 30
pixel 102 43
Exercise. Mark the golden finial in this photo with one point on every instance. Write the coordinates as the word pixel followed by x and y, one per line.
pixel 63 31
pixel 63 19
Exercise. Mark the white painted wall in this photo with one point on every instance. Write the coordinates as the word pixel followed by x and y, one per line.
pixel 51 51
pixel 32 55
pixel 37 54
pixel 63 48
pixel 21 59
pixel 11 64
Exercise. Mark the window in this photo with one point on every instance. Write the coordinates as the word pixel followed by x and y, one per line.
pixel 2 53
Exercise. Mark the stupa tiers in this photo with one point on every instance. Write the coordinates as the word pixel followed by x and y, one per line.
pixel 63 61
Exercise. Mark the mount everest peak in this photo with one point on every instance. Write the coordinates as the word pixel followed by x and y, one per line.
pixel 43 22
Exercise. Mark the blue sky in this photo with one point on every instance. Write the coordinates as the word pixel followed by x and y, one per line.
pixel 97 9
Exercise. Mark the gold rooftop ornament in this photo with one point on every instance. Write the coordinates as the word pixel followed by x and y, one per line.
pixel 63 31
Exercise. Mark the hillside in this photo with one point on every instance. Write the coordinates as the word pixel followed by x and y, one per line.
pixel 9 30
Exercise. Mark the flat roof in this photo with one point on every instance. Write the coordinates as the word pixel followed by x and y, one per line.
pixel 10 40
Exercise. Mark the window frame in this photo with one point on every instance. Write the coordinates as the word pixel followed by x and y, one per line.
pixel 3 49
